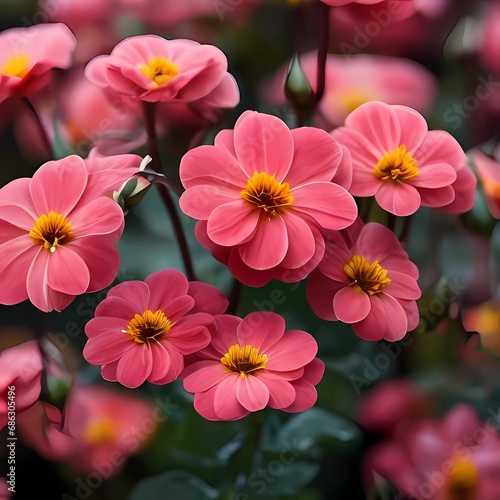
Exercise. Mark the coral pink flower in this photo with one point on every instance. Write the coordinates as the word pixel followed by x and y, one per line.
pixel 456 456
pixel 153 69
pixel 361 78
pixel 20 366
pixel 97 423
pixel 484 319
pixel 253 363
pixel 266 191
pixel 58 241
pixel 396 159
pixel 366 280
pixel 488 171
pixel 143 329
pixel 28 55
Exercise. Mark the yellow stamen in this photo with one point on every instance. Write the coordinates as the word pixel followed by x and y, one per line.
pixel 99 430
pixel 370 278
pixel 148 326
pixel 16 66
pixel 396 166
pixel 266 193
pixel 244 360
pixel 159 70
pixel 463 481
pixel 51 231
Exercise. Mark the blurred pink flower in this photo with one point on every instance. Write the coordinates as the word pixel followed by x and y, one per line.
pixel 397 9
pixel 29 54
pixel 152 68
pixel 488 171
pixel 353 81
pixel 488 36
pixel 58 241
pixel 484 319
pixel 253 363
pixel 266 191
pixel 20 367
pixel 143 329
pixel 366 280
pixel 456 456
pixel 100 430
pixel 5 492
pixel 396 159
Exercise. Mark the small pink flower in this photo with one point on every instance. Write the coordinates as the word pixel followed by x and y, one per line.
pixel 366 280
pixel 488 171
pixel 396 159
pixel 253 363
pixel 97 424
pixel 56 241
pixel 265 192
pixel 456 456
pixel 20 374
pixel 27 55
pixel 143 329
pixel 153 69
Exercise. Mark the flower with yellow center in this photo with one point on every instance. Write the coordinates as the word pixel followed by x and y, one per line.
pixel 396 166
pixel 148 326
pixel 265 192
pixel 16 66
pixel 244 360
pixel 99 430
pixel 51 230
pixel 370 278
pixel 463 481
pixel 159 70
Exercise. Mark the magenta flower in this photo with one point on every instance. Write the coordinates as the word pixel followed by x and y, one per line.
pixel 456 456
pixel 153 69
pixel 396 159
pixel 143 329
pixel 253 363
pixel 27 55
pixel 366 280
pixel 265 193
pixel 56 241
pixel 22 367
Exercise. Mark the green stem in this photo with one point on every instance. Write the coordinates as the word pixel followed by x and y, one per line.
pixel 41 129
pixel 163 190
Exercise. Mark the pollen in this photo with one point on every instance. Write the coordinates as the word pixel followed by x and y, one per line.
pixel 159 70
pixel 370 278
pixel 396 166
pixel 265 192
pixel 16 66
pixel 148 326
pixel 244 360
pixel 51 231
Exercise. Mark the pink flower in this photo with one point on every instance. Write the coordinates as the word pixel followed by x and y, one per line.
pixel 396 159
pixel 57 240
pixel 366 280
pixel 98 424
pixel 143 329
pixel 153 69
pixel 361 78
pixel 253 363
pixel 28 54
pixel 20 378
pixel 398 9
pixel 488 171
pixel 265 192
pixel 456 456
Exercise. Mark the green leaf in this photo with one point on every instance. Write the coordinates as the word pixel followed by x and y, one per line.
pixel 318 430
pixel 173 484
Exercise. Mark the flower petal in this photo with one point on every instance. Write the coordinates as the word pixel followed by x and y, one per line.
pixel 67 272
pixel 281 392
pixel 164 287
pixel 402 286
pixel 398 198
pixel 306 396
pixel 226 405
pixel 294 350
pixel 135 366
pixel 252 393
pixel 107 348
pixel 100 216
pixel 203 375
pixel 351 305
pixel 301 242
pixel 261 329
pixel 134 291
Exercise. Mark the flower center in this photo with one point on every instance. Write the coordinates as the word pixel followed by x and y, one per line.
pixel 16 66
pixel 266 193
pixel 244 360
pixel 463 480
pixel 159 70
pixel 51 231
pixel 353 99
pixel 99 430
pixel 148 326
pixel 396 166
pixel 371 278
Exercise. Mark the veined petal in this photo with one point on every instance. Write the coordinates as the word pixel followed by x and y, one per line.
pixel 135 292
pixel 252 393
pixel 67 272
pixel 107 348
pixel 301 242
pixel 100 216
pixel 203 375
pixel 281 392
pixel 294 350
pixel 135 366
pixel 351 305
pixel 226 404
pixel 398 198
pixel 261 329
pixel 165 286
